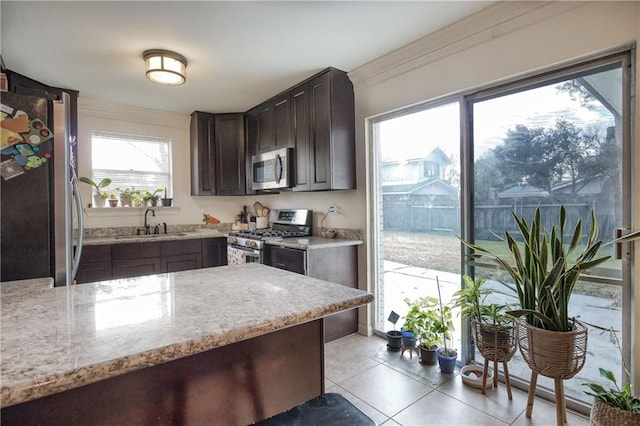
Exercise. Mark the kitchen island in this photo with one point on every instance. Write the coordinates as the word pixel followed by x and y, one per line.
pixel 226 345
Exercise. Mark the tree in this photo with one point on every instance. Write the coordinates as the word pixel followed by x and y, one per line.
pixel 548 157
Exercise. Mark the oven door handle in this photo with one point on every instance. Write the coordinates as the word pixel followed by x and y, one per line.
pixel 277 164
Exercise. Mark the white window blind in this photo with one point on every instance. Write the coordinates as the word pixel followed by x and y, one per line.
pixel 138 162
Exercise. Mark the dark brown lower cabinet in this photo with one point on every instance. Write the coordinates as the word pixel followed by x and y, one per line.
pixel 335 264
pixel 95 264
pixel 128 260
pixel 214 252
pixel 236 384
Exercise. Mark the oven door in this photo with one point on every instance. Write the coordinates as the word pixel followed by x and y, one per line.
pixel 239 255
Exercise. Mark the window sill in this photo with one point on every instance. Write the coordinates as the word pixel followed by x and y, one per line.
pixel 126 211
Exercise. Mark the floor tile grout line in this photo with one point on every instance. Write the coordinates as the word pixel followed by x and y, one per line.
pixel 477 409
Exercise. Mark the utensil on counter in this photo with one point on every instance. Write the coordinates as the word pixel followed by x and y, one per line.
pixel 257 208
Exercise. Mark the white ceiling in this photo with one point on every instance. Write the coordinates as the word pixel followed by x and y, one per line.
pixel 239 53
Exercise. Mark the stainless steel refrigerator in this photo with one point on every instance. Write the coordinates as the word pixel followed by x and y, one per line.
pixel 38 190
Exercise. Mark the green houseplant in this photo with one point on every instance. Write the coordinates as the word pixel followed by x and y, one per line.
pixel 493 329
pixel 446 356
pixel 151 198
pixel 545 271
pixel 614 405
pixel 99 197
pixel 427 320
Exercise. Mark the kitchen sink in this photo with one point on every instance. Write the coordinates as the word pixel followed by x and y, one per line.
pixel 170 234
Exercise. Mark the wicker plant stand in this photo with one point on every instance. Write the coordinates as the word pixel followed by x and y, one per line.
pixel 555 354
pixel 603 414
pixel 497 344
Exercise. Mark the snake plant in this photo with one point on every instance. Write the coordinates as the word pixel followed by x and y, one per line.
pixel 542 271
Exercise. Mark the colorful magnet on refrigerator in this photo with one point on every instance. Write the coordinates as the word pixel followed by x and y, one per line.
pixel 38 132
pixel 34 162
pixel 20 159
pixel 24 149
pixel 10 169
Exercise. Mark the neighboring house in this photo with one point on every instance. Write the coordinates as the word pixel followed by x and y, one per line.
pixel 417 196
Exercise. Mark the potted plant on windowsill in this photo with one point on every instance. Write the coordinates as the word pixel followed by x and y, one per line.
pixel 614 405
pixel 150 199
pixel 99 197
pixel 113 199
pixel 545 271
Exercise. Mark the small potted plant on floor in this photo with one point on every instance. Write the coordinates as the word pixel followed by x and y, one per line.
pixel 429 327
pixel 614 405
pixel 410 328
pixel 447 356
pixel 394 337
pixel 99 196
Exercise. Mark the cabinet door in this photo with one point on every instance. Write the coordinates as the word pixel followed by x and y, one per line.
pixel 251 132
pixel 274 124
pixel 320 140
pixel 300 121
pixel 89 272
pixel 95 264
pixel 285 258
pixel 214 252
pixel 283 130
pixel 202 154
pixel 332 132
pixel 229 154
pixel 182 262
pixel 136 267
pixel 266 128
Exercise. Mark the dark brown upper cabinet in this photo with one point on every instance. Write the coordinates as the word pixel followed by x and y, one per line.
pixel 327 151
pixel 217 154
pixel 274 124
pixel 317 118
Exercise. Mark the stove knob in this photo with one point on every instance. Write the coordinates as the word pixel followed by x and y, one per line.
pixel 233 240
pixel 252 244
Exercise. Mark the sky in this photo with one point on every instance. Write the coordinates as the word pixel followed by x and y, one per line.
pixel 417 134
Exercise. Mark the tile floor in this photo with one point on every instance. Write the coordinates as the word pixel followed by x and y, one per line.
pixel 395 390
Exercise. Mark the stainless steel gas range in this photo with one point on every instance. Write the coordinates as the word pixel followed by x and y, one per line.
pixel 248 246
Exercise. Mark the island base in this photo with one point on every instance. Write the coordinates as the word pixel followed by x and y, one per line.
pixel 236 384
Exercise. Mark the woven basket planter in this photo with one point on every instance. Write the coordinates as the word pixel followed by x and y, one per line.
pixel 603 414
pixel 495 343
pixel 554 354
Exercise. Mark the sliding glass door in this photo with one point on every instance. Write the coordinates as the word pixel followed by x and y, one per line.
pixel 546 142
pixel 417 207
pixel 560 138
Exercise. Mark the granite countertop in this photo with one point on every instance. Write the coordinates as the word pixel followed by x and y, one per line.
pixel 60 338
pixel 173 236
pixel 311 243
pixel 25 287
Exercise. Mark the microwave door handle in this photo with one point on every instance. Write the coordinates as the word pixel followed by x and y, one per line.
pixel 278 165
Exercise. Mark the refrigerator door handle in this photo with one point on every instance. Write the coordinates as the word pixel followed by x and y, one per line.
pixel 79 241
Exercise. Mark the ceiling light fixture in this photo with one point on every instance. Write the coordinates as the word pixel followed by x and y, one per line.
pixel 165 67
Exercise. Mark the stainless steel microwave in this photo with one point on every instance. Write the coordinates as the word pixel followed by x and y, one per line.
pixel 272 170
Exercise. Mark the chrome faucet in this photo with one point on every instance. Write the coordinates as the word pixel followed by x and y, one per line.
pixel 147 227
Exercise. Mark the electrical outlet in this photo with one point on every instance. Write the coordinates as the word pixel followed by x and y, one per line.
pixel 335 209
